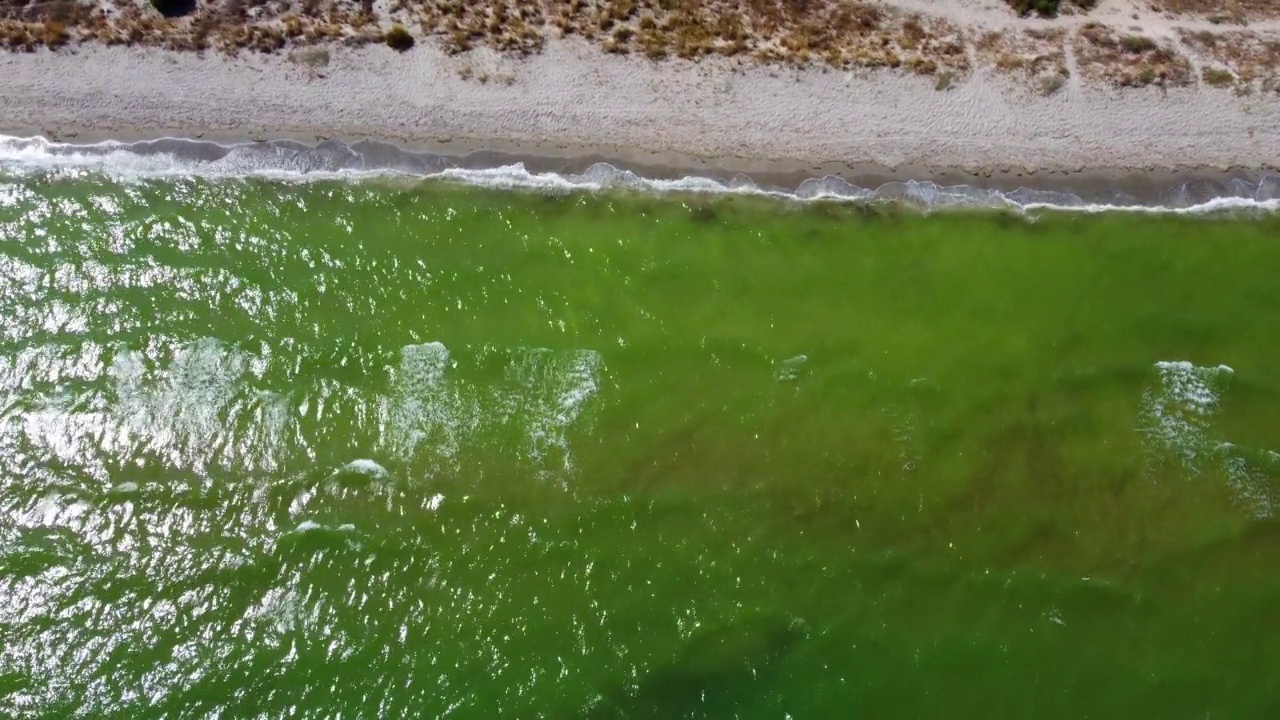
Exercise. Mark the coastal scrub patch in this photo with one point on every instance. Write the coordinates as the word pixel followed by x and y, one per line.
pixel 54 34
pixel 1138 44
pixel 174 8
pixel 840 34
pixel 1051 84
pixel 399 38
pixel 18 36
pixel 1129 60
pixel 1049 8
pixel 1028 56
pixel 1237 12
pixel 314 58
pixel 1043 8
pixel 1217 77
pixel 1247 55
pixel 844 34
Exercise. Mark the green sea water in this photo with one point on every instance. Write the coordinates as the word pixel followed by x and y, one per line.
pixel 413 449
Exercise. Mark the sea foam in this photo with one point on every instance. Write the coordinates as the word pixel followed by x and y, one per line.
pixel 333 160
pixel 1178 412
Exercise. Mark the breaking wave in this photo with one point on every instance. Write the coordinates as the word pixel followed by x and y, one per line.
pixel 1178 410
pixel 295 161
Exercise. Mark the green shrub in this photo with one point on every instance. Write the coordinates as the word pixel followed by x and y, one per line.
pixel 1137 43
pixel 1050 84
pixel 398 38
pixel 1043 8
pixel 174 8
pixel 1047 8
pixel 1217 77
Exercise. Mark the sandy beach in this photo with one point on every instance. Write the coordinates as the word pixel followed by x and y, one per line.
pixel 726 115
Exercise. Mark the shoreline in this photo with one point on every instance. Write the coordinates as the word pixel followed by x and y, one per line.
pixel 1119 187
pixel 571 106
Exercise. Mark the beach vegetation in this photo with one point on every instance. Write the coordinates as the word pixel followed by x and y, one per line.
pixel 922 65
pixel 314 57
pixel 1098 34
pixel 730 49
pixel 1232 15
pixel 654 45
pixel 1217 77
pixel 457 41
pixel 989 41
pixel 1130 60
pixel 398 38
pixel 944 81
pixel 174 8
pixel 1043 8
pixel 1138 44
pixel 293 27
pixel 246 37
pixel 1205 38
pixel 1009 62
pixel 842 34
pixel 1048 8
pixel 913 33
pixel 17 36
pixel 268 40
pixel 54 35
pixel 621 10
pixel 564 25
pixel 1051 84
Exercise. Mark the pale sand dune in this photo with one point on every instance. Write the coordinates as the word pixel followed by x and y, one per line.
pixel 572 100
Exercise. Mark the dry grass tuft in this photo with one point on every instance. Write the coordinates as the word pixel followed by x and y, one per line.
pixel 1027 56
pixel 1246 55
pixel 1235 12
pixel 1130 60
pixel 54 34
pixel 1217 77
pixel 842 34
pixel 314 58
pixel 1051 84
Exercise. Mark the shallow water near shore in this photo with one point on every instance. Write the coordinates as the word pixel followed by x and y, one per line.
pixel 1187 191
pixel 399 447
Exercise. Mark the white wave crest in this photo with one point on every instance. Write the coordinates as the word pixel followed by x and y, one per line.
pixel 288 161
pixel 1177 418
pixel 542 395
pixel 1177 410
